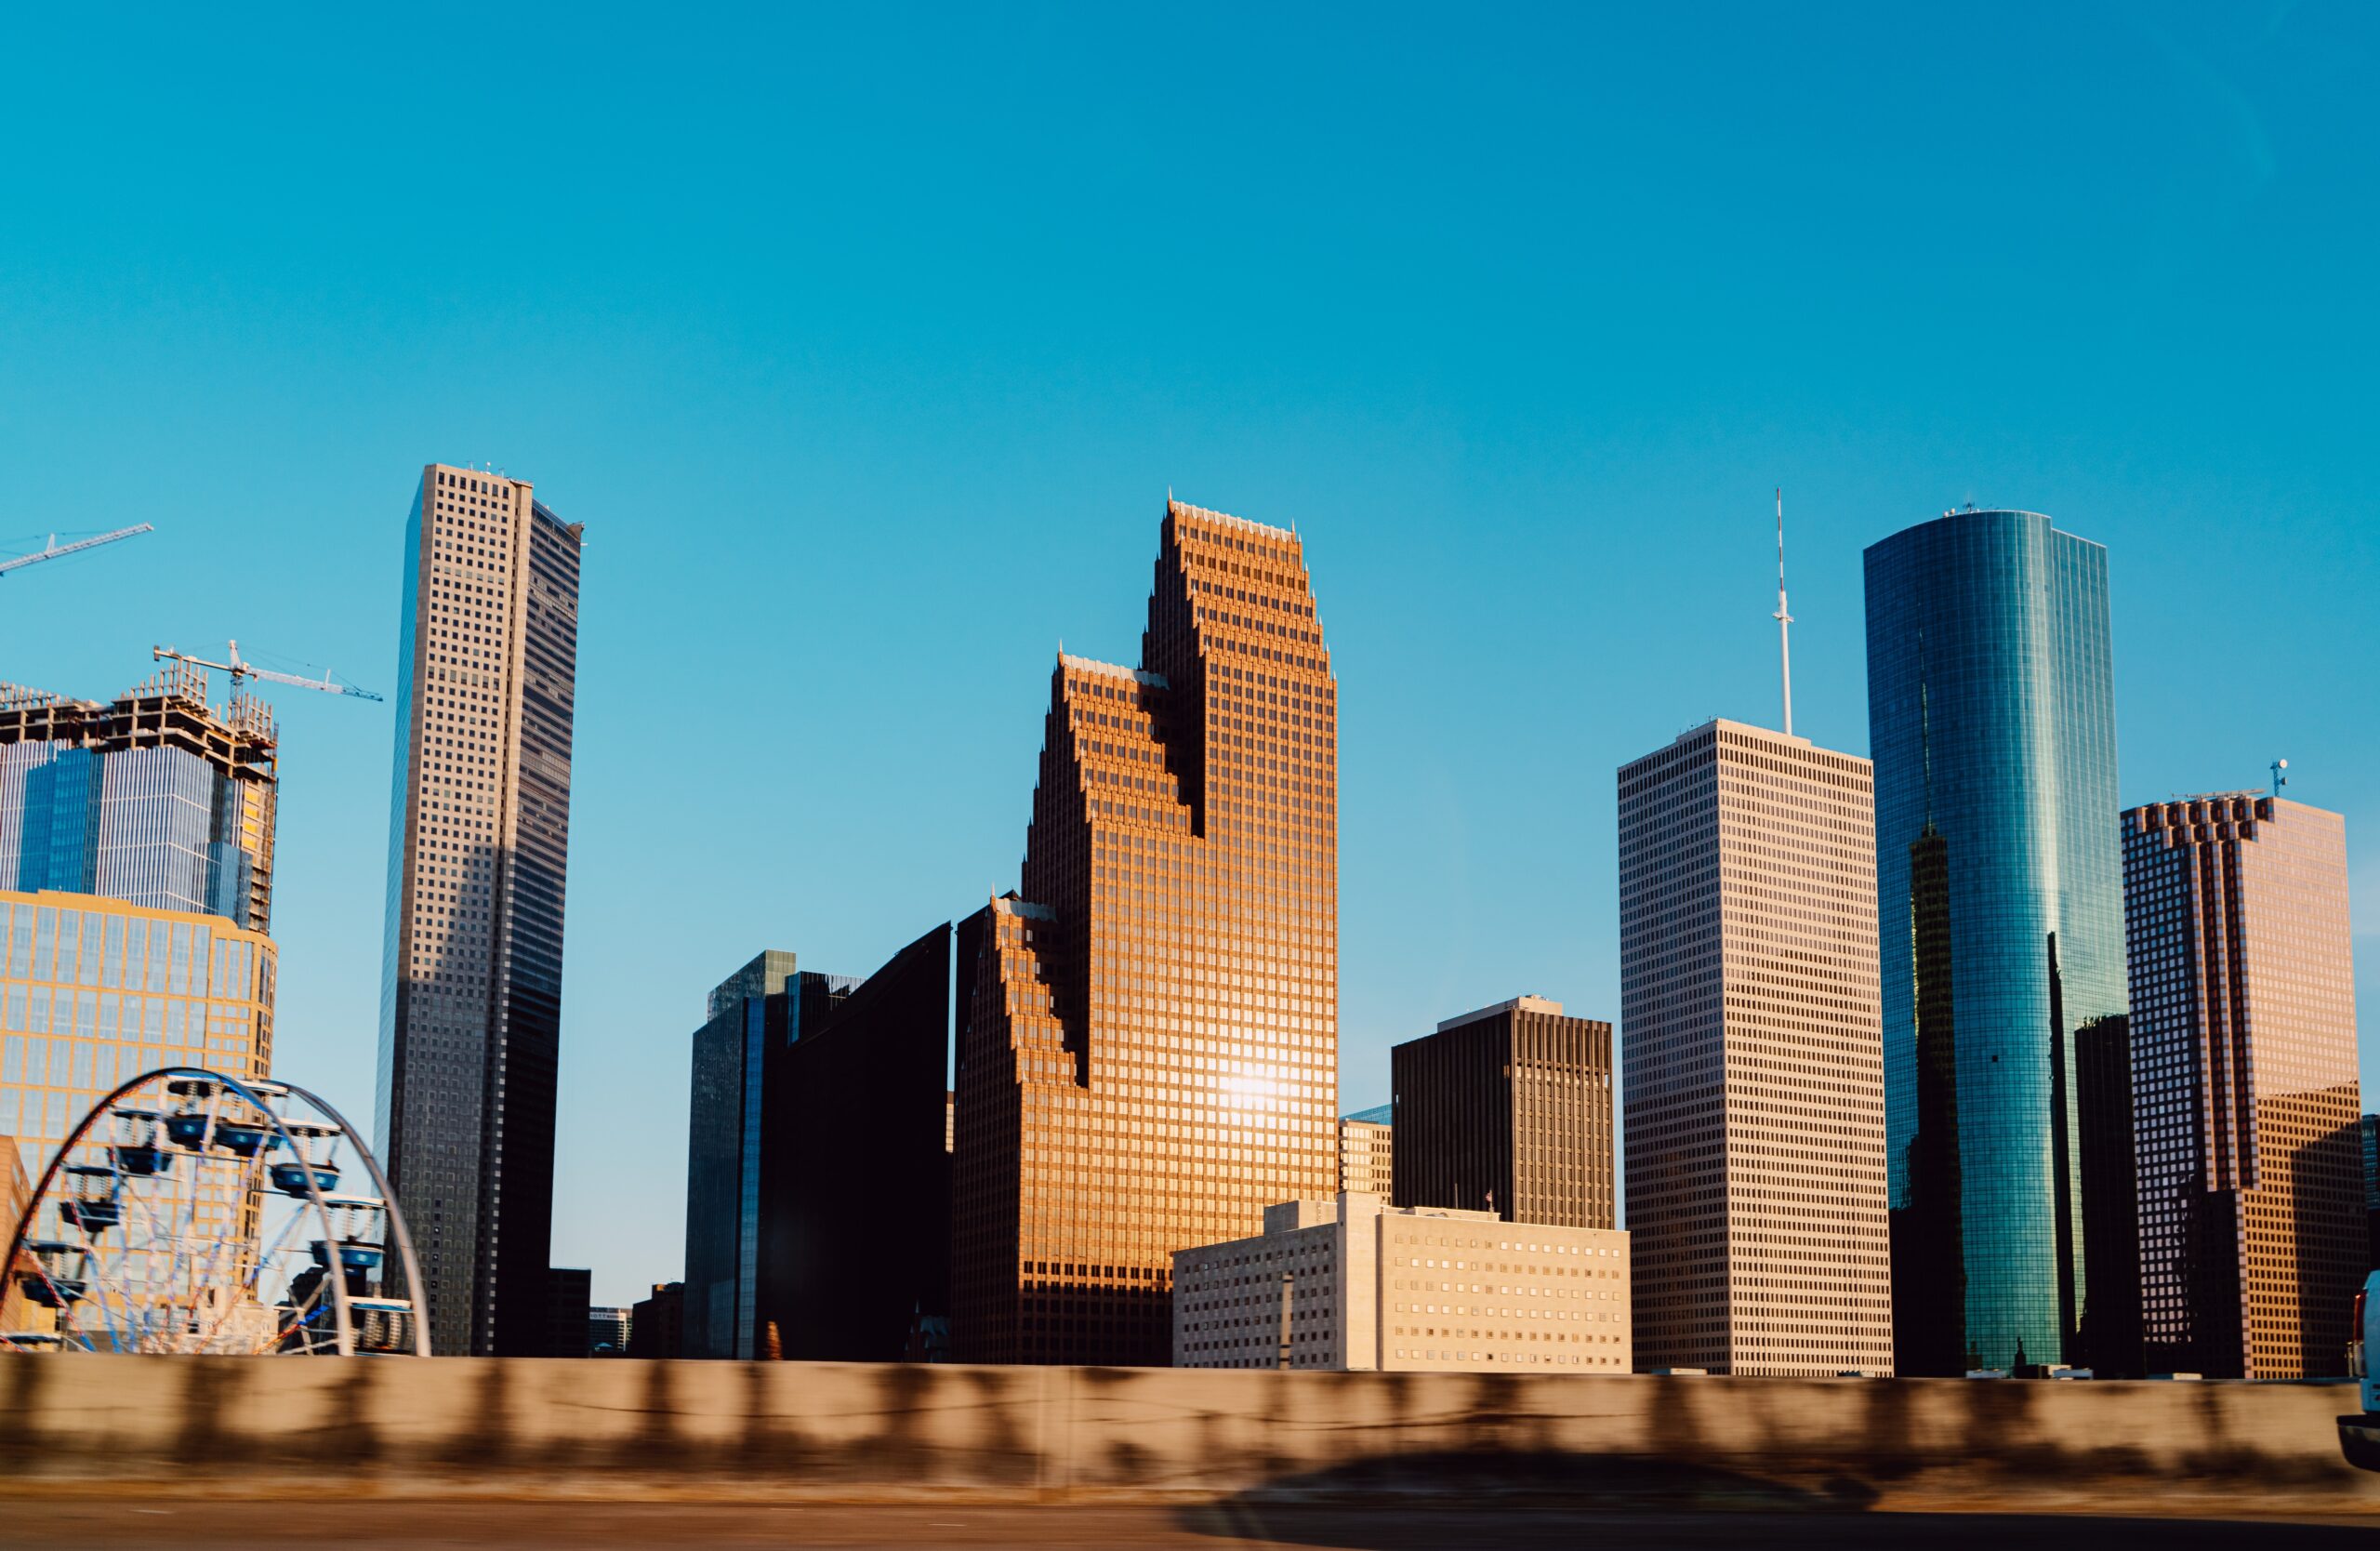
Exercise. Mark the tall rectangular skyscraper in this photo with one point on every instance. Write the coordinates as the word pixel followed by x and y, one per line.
pixel 1999 920
pixel 1507 1110
pixel 2251 1193
pixel 1149 1052
pixel 1750 1024
pixel 470 990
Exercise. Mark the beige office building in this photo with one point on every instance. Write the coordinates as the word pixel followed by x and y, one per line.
pixel 470 990
pixel 1751 1033
pixel 1367 1156
pixel 1353 1283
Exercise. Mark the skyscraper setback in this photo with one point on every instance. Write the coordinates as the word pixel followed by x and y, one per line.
pixel 1756 1124
pixel 470 994
pixel 2251 1173
pixel 1149 1052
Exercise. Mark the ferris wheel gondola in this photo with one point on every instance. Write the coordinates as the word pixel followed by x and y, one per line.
pixel 195 1213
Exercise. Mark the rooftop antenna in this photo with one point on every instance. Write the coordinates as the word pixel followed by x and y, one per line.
pixel 2279 775
pixel 1784 620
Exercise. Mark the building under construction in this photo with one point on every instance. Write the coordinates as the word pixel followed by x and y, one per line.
pixel 157 797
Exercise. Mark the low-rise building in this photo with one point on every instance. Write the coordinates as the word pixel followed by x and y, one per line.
pixel 1352 1283
pixel 1365 1154
pixel 607 1331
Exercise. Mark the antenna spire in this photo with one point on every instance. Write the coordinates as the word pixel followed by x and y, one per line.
pixel 1784 620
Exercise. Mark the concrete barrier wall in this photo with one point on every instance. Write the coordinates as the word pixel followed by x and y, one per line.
pixel 592 1429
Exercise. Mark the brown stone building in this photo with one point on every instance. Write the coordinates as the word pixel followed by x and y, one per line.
pixel 1507 1109
pixel 2244 1092
pixel 1148 1049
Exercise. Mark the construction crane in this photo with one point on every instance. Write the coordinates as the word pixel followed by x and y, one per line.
pixel 238 667
pixel 53 550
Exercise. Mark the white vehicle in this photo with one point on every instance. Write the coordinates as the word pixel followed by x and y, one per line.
pixel 2359 1435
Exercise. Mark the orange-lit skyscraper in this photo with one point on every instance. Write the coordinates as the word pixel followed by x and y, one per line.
pixel 1149 1051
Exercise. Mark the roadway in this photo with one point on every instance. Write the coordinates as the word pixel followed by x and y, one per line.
pixel 389 1525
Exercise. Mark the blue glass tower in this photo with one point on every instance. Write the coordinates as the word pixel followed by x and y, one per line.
pixel 2000 893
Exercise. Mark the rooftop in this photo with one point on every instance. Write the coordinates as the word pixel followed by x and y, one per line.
pixel 1265 530
pixel 1518 1004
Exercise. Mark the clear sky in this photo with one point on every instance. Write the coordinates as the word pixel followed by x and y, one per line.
pixel 866 345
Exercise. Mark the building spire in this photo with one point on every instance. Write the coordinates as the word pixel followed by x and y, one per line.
pixel 1784 620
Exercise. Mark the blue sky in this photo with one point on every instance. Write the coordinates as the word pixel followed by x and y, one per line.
pixel 866 344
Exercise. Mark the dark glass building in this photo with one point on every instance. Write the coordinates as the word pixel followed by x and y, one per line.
pixel 751 1019
pixel 1507 1109
pixel 569 1302
pixel 2111 1337
pixel 855 1233
pixel 2000 902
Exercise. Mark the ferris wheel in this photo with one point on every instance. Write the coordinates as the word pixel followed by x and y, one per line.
pixel 194 1213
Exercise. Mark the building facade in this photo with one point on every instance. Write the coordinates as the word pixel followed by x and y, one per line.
pixel 1367 1152
pixel 2111 1341
pixel 733 1133
pixel 1149 1051
pixel 1507 1110
pixel 471 991
pixel 2369 1130
pixel 607 1331
pixel 657 1323
pixel 2251 1194
pixel 570 1309
pixel 157 797
pixel 858 1095
pixel 94 992
pixel 1351 1283
pixel 2000 912
pixel 17 1311
pixel 1755 1098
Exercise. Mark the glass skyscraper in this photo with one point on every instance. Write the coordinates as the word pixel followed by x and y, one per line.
pixel 157 798
pixel 753 1017
pixel 2000 895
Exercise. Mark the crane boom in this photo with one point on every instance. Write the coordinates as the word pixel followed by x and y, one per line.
pixel 53 550
pixel 241 668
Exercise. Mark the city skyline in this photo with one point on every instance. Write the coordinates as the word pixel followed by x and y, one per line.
pixel 916 379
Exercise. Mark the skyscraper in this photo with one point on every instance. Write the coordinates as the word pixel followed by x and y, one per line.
pixel 2252 1224
pixel 1507 1110
pixel 1755 1101
pixel 732 1133
pixel 157 798
pixel 856 1107
pixel 2000 919
pixel 471 987
pixel 1149 1056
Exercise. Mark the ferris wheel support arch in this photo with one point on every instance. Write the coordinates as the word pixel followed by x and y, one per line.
pixel 401 1236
